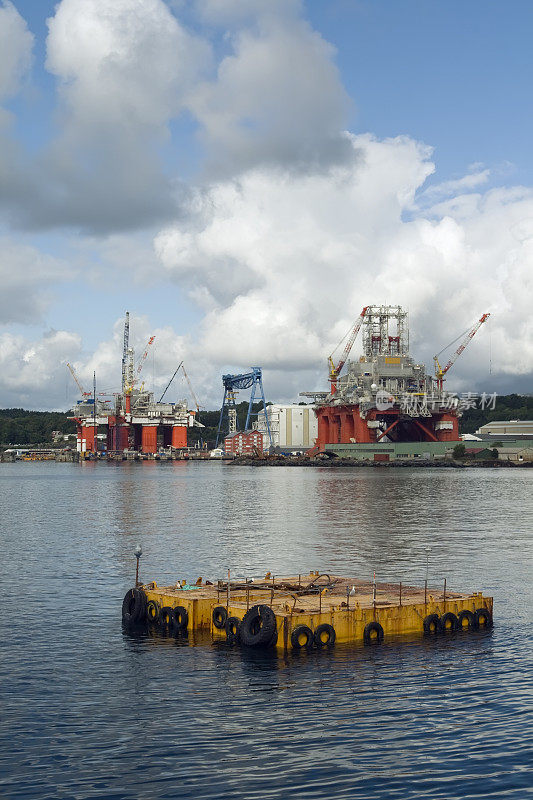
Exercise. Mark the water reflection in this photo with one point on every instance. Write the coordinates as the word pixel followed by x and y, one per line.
pixel 93 711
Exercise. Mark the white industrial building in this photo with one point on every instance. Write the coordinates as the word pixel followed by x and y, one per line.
pixel 513 427
pixel 293 427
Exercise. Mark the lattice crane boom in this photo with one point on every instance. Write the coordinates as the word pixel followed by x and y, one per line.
pixel 77 381
pixel 170 381
pixel 334 371
pixel 440 372
pixel 144 355
pixel 190 387
pixel 125 350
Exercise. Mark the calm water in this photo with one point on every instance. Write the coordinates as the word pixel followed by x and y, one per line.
pixel 91 712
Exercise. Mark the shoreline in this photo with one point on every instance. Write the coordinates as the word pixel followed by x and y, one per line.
pixel 280 461
pixel 334 463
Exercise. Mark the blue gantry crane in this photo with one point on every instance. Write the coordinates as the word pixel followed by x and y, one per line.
pixel 232 384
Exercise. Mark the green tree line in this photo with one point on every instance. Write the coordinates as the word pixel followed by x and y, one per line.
pixel 18 426
pixel 510 406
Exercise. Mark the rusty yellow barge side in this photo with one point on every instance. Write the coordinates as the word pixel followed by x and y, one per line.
pixel 304 611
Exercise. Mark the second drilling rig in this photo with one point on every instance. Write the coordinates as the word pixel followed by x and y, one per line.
pixel 133 421
pixel 385 396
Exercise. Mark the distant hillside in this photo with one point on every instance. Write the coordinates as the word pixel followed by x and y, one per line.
pixel 510 406
pixel 18 426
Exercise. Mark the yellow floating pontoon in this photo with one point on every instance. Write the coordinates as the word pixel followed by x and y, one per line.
pixel 304 611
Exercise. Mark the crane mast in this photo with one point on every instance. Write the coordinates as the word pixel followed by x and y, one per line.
pixel 131 378
pixel 440 372
pixel 125 350
pixel 334 371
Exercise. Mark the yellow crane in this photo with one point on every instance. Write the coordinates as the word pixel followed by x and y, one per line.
pixel 334 371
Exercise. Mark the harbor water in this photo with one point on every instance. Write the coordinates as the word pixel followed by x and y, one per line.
pixel 91 711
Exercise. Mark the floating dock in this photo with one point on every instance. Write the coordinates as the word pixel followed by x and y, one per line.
pixel 305 611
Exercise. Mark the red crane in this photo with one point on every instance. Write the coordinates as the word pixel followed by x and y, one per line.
pixel 334 371
pixel 440 372
pixel 144 355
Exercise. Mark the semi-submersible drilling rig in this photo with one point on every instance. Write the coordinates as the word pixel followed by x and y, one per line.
pixel 386 395
pixel 133 420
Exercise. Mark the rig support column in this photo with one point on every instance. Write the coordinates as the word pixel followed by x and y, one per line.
pixel 179 436
pixel 149 439
pixel 447 428
pixel 88 438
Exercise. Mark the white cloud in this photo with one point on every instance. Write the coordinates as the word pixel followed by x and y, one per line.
pixel 16 43
pixel 127 63
pixel 124 70
pixel 128 69
pixel 298 256
pixel 277 96
pixel 33 371
pixel 26 278
pixel 471 180
pixel 166 352
pixel 297 225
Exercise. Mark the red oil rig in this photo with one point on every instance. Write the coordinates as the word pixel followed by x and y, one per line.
pixel 133 421
pixel 385 396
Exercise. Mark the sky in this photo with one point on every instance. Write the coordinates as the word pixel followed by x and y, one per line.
pixel 243 176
